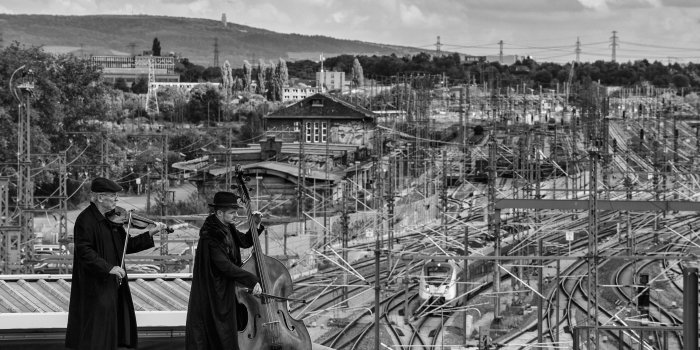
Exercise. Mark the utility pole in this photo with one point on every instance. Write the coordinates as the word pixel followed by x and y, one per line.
pixel 164 202
pixel 104 147
pixel 300 183
pixel 465 277
pixel 614 44
pixel 443 196
pixel 25 184
pixel 593 241
pixel 345 223
pixel 63 206
pixel 148 187
pixel 492 223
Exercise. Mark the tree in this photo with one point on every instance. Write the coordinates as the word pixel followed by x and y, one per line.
pixel 120 84
pixel 227 83
pixel 543 77
pixel 680 81
pixel 247 75
pixel 189 72
pixel 261 78
pixel 283 72
pixel 280 78
pixel 156 47
pixel 270 81
pixel 204 103
pixel 357 77
pixel 212 74
pixel 140 86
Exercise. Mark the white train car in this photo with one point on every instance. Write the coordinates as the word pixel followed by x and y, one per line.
pixel 438 281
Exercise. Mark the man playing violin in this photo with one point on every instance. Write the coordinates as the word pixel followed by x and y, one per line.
pixel 101 312
pixel 211 312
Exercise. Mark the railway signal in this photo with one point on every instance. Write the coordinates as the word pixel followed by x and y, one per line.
pixel 643 293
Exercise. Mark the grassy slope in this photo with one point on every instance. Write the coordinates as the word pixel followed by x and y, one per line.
pixel 193 38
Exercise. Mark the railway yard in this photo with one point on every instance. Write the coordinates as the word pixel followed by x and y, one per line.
pixel 573 229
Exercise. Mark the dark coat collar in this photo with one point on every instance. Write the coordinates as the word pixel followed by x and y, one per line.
pixel 96 212
pixel 215 229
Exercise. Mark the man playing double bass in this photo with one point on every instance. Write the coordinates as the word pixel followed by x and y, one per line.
pixel 211 313
pixel 101 313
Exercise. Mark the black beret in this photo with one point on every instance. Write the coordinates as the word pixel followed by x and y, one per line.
pixel 101 184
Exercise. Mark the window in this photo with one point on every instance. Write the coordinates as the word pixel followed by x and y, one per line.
pixel 317 132
pixel 308 132
pixel 324 132
pixel 316 103
pixel 296 126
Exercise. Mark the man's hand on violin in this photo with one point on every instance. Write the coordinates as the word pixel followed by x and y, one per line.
pixel 156 228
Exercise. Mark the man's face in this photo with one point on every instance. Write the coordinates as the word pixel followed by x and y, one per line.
pixel 108 200
pixel 227 215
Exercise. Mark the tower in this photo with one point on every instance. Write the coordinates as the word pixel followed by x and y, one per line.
pixel 216 52
pixel 578 50
pixel 437 46
pixel 132 48
pixel 223 20
pixel 152 95
pixel 500 52
pixel 614 45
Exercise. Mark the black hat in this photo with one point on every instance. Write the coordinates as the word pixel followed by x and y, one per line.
pixel 101 184
pixel 225 200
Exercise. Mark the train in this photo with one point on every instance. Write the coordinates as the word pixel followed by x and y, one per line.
pixel 439 278
pixel 438 281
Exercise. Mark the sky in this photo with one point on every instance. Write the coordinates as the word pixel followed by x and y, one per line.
pixel 547 30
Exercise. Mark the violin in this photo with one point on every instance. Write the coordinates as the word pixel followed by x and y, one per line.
pixel 269 325
pixel 120 216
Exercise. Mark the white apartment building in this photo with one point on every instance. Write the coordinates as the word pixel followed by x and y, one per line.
pixel 297 93
pixel 330 80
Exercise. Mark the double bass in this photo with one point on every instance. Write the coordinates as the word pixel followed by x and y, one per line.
pixel 269 325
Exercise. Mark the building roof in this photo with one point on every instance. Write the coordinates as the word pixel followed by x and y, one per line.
pixel 192 164
pixel 283 168
pixel 292 111
pixel 160 300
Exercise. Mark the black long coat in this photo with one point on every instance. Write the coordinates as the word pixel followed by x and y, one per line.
pixel 101 312
pixel 211 312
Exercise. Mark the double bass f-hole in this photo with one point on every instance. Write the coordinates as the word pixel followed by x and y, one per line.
pixel 269 324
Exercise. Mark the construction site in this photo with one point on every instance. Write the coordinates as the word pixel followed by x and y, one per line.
pixel 449 216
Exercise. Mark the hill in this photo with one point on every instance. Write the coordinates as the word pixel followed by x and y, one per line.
pixel 190 37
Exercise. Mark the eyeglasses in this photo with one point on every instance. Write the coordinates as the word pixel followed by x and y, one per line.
pixel 112 196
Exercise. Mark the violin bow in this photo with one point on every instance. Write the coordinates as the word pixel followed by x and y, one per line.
pixel 303 301
pixel 126 241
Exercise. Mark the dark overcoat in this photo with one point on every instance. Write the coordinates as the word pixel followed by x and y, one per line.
pixel 211 312
pixel 101 312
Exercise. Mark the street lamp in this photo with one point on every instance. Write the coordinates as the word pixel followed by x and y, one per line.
pixel 14 92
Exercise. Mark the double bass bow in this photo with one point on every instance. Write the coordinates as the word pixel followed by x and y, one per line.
pixel 269 325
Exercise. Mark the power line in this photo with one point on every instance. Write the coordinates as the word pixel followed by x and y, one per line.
pixel 661 47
